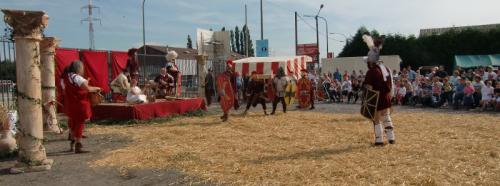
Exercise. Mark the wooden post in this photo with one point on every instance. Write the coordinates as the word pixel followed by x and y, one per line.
pixel 47 48
pixel 201 62
pixel 27 27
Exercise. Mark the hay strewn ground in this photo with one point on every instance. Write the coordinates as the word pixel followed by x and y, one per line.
pixel 317 149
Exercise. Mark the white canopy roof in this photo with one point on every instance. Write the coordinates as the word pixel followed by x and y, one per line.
pixel 272 59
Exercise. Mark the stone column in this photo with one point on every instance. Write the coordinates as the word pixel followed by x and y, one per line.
pixel 47 48
pixel 28 27
pixel 201 62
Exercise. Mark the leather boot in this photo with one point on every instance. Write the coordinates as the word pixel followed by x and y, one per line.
pixel 79 150
pixel 72 146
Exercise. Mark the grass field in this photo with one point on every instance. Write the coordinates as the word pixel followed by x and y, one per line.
pixel 312 148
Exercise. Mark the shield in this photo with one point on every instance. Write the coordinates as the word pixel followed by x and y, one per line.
pixel 304 92
pixel 290 90
pixel 369 103
pixel 224 85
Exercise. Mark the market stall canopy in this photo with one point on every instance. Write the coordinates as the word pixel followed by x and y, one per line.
pixel 470 61
pixel 292 65
pixel 357 64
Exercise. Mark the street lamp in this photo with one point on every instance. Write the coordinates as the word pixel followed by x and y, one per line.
pixel 326 24
pixel 346 38
pixel 143 38
pixel 317 31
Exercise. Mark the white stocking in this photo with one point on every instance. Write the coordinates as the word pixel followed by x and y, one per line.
pixel 379 137
pixel 389 131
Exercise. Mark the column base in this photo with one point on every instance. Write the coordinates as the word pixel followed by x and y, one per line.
pixel 23 167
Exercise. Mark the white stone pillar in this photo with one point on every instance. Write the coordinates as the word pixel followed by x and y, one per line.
pixel 201 62
pixel 28 27
pixel 48 48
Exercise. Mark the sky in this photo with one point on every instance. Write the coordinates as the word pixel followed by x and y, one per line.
pixel 168 22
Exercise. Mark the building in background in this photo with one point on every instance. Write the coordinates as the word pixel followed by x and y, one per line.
pixel 438 31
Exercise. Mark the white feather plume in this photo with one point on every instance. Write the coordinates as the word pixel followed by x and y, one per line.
pixel 369 41
pixel 171 55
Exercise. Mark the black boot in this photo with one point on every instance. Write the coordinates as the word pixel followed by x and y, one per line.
pixel 79 149
pixel 71 146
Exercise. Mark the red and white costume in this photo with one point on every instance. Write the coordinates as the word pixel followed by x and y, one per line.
pixel 380 79
pixel 76 103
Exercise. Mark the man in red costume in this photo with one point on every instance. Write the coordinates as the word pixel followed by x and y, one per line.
pixel 76 102
pixel 227 99
pixel 378 78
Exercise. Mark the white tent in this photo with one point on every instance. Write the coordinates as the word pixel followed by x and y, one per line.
pixel 357 64
pixel 292 65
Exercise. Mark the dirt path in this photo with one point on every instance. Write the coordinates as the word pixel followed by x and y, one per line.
pixel 73 169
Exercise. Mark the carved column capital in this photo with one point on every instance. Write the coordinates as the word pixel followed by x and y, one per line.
pixel 201 59
pixel 49 45
pixel 26 24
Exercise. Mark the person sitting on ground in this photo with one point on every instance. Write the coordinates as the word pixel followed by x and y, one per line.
pixel 120 87
pixel 135 95
pixel 427 93
pixel 459 93
pixel 468 95
pixel 400 93
pixel 478 85
pixel 487 92
pixel 165 83
pixel 447 95
pixel 497 95
pixel 409 91
pixel 437 88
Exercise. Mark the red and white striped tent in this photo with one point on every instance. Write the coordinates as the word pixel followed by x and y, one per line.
pixel 293 65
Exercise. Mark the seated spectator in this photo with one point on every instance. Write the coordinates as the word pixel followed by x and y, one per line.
pixel 497 95
pixel 489 74
pixel 468 95
pixel 346 88
pixel 437 88
pixel 400 93
pixel 458 98
pixel 447 95
pixel 441 73
pixel 409 91
pixel 454 79
pixel 487 92
pixel 356 90
pixel 135 95
pixel 478 85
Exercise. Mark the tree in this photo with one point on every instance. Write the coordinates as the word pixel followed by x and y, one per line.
pixel 233 45
pixel 242 40
pixel 429 50
pixel 223 28
pixel 237 39
pixel 189 42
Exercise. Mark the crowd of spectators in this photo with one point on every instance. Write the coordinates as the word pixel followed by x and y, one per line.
pixel 477 88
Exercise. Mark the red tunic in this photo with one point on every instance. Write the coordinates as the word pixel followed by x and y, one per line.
pixel 76 101
pixel 375 78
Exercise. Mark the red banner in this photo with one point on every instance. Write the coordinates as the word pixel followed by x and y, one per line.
pixel 118 63
pixel 96 68
pixel 309 50
pixel 63 58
